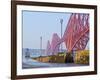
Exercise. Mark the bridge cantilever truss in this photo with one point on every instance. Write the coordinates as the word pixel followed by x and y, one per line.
pixel 76 34
pixel 54 46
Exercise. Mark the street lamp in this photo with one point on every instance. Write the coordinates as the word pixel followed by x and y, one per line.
pixel 61 21
pixel 41 44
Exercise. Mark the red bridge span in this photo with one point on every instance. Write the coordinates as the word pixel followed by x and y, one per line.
pixel 76 35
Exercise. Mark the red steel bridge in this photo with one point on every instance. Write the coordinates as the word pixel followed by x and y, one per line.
pixel 76 35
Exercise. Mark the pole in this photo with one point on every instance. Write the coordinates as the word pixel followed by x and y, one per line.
pixel 61 21
pixel 41 44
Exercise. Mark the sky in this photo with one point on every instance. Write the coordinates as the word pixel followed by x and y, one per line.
pixel 42 24
pixel 38 24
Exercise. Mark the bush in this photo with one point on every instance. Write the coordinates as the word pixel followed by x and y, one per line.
pixel 82 57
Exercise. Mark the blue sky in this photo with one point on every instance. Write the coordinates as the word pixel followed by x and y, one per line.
pixel 37 24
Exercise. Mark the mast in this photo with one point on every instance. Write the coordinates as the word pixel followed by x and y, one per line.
pixel 61 21
pixel 41 45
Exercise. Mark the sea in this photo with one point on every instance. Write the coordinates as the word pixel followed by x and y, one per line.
pixel 28 62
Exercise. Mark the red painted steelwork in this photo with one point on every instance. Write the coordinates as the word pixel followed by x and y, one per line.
pixel 54 45
pixel 76 34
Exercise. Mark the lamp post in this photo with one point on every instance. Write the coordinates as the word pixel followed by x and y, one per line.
pixel 41 44
pixel 61 21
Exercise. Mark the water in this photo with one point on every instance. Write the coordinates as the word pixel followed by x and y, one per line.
pixel 30 63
